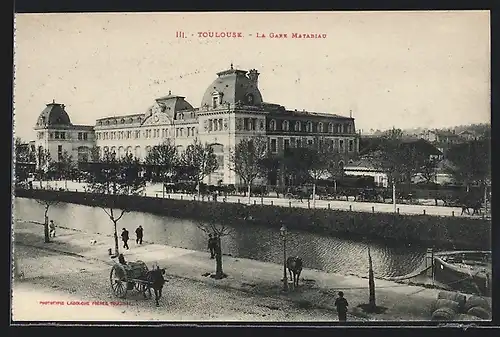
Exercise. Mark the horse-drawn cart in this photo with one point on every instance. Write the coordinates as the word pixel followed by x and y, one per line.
pixel 129 276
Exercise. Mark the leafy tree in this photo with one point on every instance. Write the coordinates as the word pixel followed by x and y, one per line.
pixel 218 228
pixel 23 153
pixel 164 158
pixel 199 160
pixel 95 154
pixel 471 162
pixel 247 160
pixel 66 167
pixel 115 178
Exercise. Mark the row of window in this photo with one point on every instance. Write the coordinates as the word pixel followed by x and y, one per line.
pixel 62 135
pixel 147 134
pixel 337 144
pixel 309 127
pixel 215 124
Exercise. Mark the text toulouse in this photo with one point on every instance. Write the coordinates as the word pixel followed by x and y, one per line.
pixel 84 303
pixel 263 35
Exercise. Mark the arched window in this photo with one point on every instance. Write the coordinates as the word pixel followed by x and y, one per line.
pixel 219 154
pixel 341 165
pixel 309 127
pixel 138 152
pixel 83 154
pixel 129 150
pixel 330 127
pixel 286 126
pixel 120 152
pixel 272 125
pixel 297 126
pixel 320 127
pixel 148 149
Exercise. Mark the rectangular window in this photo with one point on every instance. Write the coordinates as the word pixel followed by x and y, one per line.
pixel 274 147
pixel 286 144
pixel 220 124
pixel 80 136
pixel 341 145
pixel 59 152
pixel 292 142
pixel 56 135
pixel 298 142
pixel 310 142
pixel 351 145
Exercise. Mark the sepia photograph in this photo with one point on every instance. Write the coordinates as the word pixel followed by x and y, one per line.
pixel 312 167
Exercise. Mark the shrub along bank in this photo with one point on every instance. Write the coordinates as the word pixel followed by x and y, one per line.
pixel 439 232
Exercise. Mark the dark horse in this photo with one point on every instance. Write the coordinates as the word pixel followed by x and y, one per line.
pixel 156 280
pixel 294 265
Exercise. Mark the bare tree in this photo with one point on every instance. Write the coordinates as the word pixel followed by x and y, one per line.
pixel 116 178
pixel 47 203
pixel 428 170
pixel 247 160
pixel 371 283
pixel 200 160
pixel 217 227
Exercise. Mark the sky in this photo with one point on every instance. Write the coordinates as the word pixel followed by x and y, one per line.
pixel 392 69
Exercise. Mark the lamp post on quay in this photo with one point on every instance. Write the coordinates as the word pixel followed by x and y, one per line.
pixel 283 236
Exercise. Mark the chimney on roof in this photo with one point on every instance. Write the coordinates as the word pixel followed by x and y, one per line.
pixel 169 92
pixel 53 101
pixel 350 113
pixel 253 75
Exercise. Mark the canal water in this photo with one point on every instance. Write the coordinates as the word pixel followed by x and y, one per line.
pixel 318 251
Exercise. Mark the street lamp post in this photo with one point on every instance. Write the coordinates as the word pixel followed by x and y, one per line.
pixel 285 279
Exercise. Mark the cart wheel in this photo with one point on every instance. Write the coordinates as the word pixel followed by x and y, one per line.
pixel 146 291
pixel 138 286
pixel 118 280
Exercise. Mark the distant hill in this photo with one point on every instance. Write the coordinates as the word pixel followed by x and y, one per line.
pixel 482 129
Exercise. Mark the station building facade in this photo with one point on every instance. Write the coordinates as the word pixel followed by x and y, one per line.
pixel 232 109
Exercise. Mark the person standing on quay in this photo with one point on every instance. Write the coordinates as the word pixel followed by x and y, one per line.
pixel 211 245
pixel 139 232
pixel 341 304
pixel 125 238
pixel 52 229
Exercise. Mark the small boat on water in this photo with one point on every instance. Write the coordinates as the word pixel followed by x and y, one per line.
pixel 467 271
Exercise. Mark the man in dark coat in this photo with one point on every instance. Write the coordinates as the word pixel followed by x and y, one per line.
pixel 211 245
pixel 125 238
pixel 341 304
pixel 139 232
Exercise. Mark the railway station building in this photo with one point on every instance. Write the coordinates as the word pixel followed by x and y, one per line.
pixel 232 109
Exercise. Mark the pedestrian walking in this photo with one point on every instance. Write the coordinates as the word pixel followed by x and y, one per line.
pixel 125 238
pixel 341 305
pixel 139 232
pixel 211 245
pixel 52 229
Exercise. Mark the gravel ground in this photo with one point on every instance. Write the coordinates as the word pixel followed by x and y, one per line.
pixel 50 276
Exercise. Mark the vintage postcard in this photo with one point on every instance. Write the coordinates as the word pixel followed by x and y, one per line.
pixel 252 167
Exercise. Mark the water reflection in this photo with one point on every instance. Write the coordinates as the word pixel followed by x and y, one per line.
pixel 318 251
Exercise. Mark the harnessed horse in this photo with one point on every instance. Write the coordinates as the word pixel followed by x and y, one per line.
pixel 156 279
pixel 294 265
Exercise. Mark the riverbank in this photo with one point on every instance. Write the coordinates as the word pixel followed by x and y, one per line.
pixel 317 289
pixel 426 230
pixel 59 287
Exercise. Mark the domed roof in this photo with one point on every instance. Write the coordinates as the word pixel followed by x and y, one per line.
pixel 234 86
pixel 53 114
